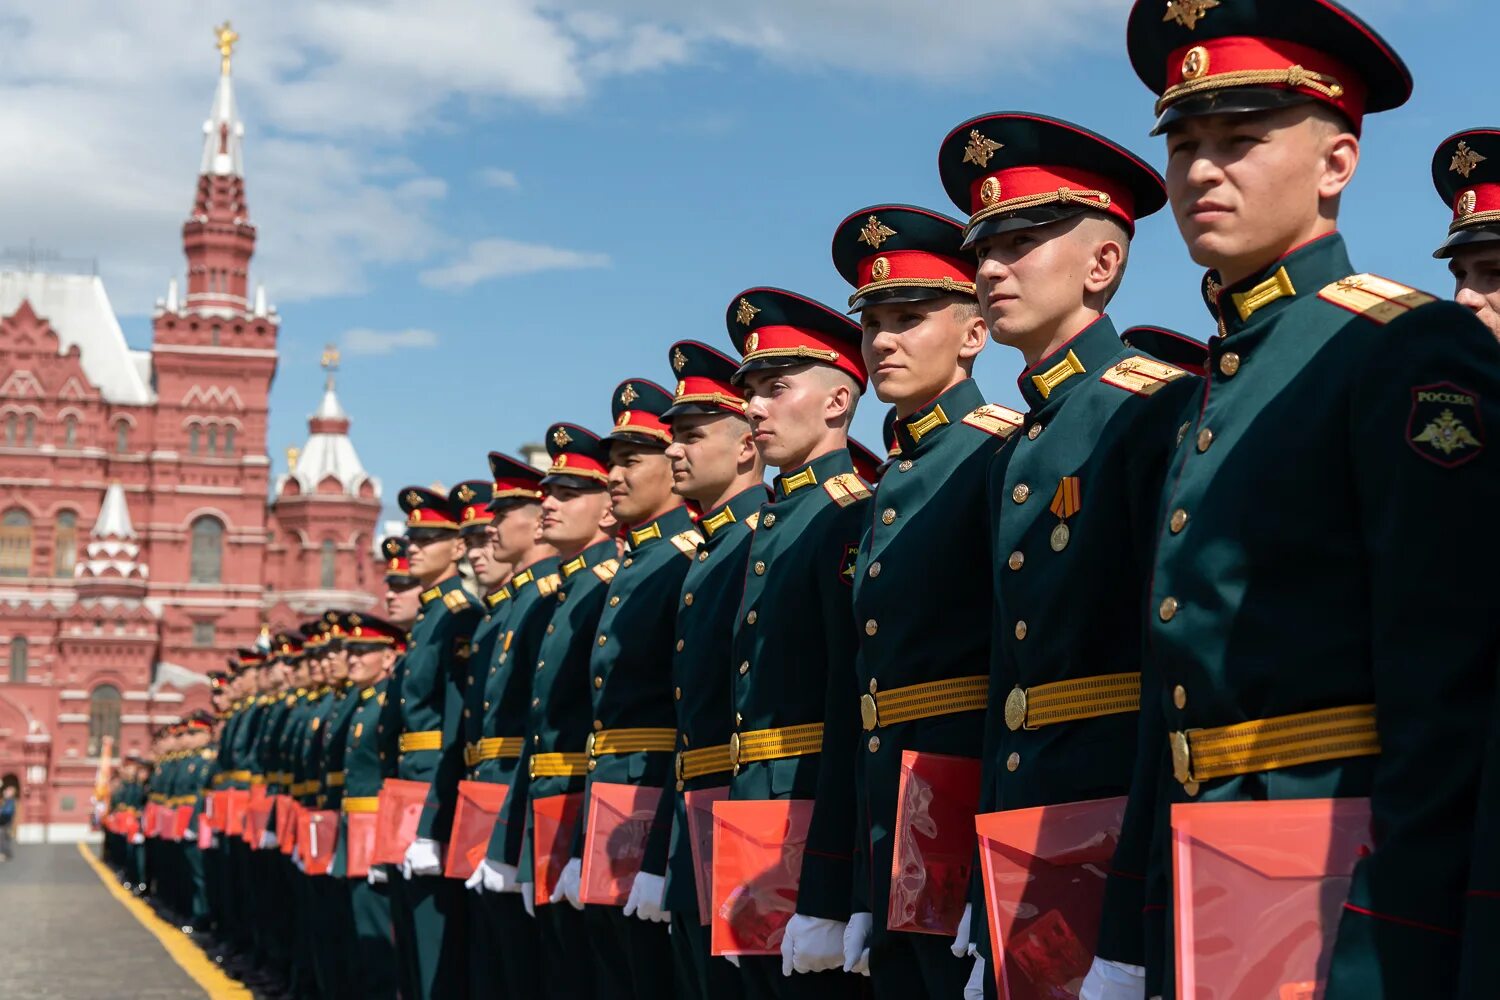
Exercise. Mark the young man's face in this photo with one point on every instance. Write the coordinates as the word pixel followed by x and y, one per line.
pixel 789 410
pixel 336 666
pixel 916 350
pixel 368 664
pixel 403 603
pixel 432 557
pixel 572 516
pixel 1031 280
pixel 488 570
pixel 1476 277
pixel 640 481
pixel 514 531
pixel 1247 188
pixel 707 452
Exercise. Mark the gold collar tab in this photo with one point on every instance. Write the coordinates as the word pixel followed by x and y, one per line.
pixel 714 522
pixel 1058 374
pixel 639 535
pixel 791 484
pixel 573 566
pixel 1278 285
pixel 922 426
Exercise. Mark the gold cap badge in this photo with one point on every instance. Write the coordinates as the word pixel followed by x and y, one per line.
pixel 745 313
pixel 679 360
pixel 561 438
pixel 875 233
pixel 628 395
pixel 989 191
pixel 881 269
pixel 1465 160
pixel 1188 12
pixel 413 498
pixel 465 493
pixel 1467 202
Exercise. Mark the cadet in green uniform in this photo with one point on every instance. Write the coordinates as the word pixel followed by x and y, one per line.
pixel 1466 172
pixel 1331 490
pixel 577 523
pixel 716 466
pixel 430 911
pixel 502 702
pixel 917 689
pixel 792 656
pixel 634 724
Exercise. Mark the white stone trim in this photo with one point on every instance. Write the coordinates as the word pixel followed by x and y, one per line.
pixel 72 717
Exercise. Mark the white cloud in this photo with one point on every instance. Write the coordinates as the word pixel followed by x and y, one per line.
pixel 362 340
pixel 502 258
pixel 496 178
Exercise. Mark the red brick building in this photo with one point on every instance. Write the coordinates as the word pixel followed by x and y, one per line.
pixel 138 548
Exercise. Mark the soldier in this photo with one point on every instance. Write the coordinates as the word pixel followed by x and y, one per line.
pixel 1330 490
pixel 1466 173
pixel 507 944
pixel 577 523
pixel 715 466
pixel 922 330
pixel 428 908
pixel 794 642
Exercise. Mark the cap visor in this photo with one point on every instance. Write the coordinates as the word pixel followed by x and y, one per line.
pixel 1014 221
pixel 1466 238
pixel 428 533
pixel 764 364
pixel 898 294
pixel 698 410
pixel 633 437
pixel 1230 101
pixel 572 482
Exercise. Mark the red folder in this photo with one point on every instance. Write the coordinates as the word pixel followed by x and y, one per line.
pixel 1044 872
pixel 288 823
pixel 213 811
pixel 757 853
pixel 205 835
pixel 1259 888
pixel 359 843
pixel 317 837
pixel 554 818
pixel 130 824
pixel 474 819
pixel 699 803
pixel 257 815
pixel 236 802
pixel 614 845
pixel 151 819
pixel 934 849
pixel 396 821
pixel 181 817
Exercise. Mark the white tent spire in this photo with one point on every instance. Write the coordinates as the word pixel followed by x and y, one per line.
pixel 223 131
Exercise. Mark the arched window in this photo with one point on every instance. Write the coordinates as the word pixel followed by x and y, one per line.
pixel 213 439
pixel 193 439
pixel 70 432
pixel 229 440
pixel 12 425
pixel 15 543
pixel 30 439
pixel 104 717
pixel 20 658
pixel 122 437
pixel 208 550
pixel 330 566
pixel 65 546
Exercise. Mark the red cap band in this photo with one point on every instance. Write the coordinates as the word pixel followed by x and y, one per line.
pixel 916 269
pixel 1476 206
pixel 1016 188
pixel 798 344
pixel 573 464
pixel 710 392
pixel 1242 61
pixel 645 423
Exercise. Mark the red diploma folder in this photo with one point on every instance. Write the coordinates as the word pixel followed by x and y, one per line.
pixel 317 837
pixel 396 820
pixel 236 802
pixel 152 822
pixel 934 848
pixel 554 818
pixel 757 856
pixel 474 819
pixel 130 824
pixel 1259 888
pixel 213 811
pixel 699 803
pixel 620 819
pixel 359 831
pixel 286 823
pixel 1044 872
pixel 257 820
pixel 205 834
pixel 181 817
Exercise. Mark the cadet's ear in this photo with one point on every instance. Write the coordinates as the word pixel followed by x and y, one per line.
pixel 976 334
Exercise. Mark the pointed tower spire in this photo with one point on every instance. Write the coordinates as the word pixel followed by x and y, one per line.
pixel 112 564
pixel 328 453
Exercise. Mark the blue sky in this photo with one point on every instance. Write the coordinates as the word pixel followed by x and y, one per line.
pixel 496 236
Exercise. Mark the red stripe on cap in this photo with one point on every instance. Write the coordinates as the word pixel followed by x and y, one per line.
pixel 787 341
pixel 914 264
pixel 430 517
pixel 1475 200
pixel 1215 57
pixel 473 515
pixel 1032 181
pixel 643 422
pixel 573 464
pixel 701 389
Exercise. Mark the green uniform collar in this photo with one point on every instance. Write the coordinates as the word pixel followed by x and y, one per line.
pixel 673 522
pixel 794 482
pixel 589 557
pixel 738 509
pixel 1059 373
pixel 531 574
pixel 918 431
pixel 436 591
pixel 1305 271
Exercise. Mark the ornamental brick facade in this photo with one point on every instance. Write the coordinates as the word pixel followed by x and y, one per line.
pixel 138 548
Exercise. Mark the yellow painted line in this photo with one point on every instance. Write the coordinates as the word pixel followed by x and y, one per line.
pixel 188 956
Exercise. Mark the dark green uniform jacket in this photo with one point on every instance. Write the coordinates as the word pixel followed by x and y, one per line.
pixel 793 662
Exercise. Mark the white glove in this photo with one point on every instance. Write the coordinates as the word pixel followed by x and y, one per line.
pixel 974 988
pixel 961 944
pixel 733 960
pixel 645 898
pixel 569 884
pixel 812 944
pixel 1109 980
pixel 475 882
pixel 376 875
pixel 499 876
pixel 528 897
pixel 268 840
pixel 423 857
pixel 139 838
pixel 856 943
pixel 190 835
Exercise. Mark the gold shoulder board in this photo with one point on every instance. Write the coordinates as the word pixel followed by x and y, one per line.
pixel 1141 375
pixel 606 570
pixel 547 585
pixel 847 489
pixel 1377 299
pixel 456 600
pixel 992 418
pixel 687 542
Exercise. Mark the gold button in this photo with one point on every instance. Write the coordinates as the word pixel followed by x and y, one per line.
pixel 873 685
pixel 1191 787
pixel 751 618
pixel 486 706
pixel 1034 431
pixel 551 629
pixel 1012 762
pixel 603 640
pixel 535 702
pixel 687 599
pixel 1168 609
pixel 466 713
pixel 536 741
pixel 614 602
pixel 745 668
pixel 1020 493
pixel 540 664
pixel 1017 559
pixel 598 682
pixel 905 465
pixel 1179 696
pixel 739 720
pixel 1179 520
pixel 703 556
pixel 888 516
pixel 562 595
pixel 874 743
pixel 593 764
pixel 874 570
pixel 680 644
pixel 1205 438
pixel 768 520
pixel 677 694
pixel 1020 630
pixel 760 568
pixel 871 627
pixel 1229 363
